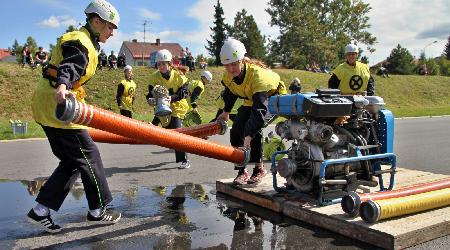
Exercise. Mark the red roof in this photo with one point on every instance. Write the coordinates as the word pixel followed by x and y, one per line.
pixel 139 48
pixel 4 53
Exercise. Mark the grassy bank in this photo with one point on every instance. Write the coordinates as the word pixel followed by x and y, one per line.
pixel 404 95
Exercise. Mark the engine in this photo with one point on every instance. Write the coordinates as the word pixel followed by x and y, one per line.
pixel 327 125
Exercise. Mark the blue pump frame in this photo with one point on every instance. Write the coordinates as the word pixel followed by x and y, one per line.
pixel 391 157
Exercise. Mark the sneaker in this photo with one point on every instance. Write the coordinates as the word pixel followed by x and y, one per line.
pixel 107 216
pixel 185 165
pixel 241 178
pixel 257 175
pixel 44 222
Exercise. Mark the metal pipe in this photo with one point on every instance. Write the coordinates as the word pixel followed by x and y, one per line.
pixel 88 115
pixel 202 130
pixel 373 211
pixel 351 202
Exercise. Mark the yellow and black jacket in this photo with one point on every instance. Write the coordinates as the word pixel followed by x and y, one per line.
pixel 255 85
pixel 196 89
pixel 125 94
pixel 175 82
pixel 352 79
pixel 73 63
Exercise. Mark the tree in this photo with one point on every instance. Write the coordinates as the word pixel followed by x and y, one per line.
pixel 317 31
pixel 32 45
pixel 245 30
pixel 16 49
pixel 70 28
pixel 447 49
pixel 365 59
pixel 400 61
pixel 218 37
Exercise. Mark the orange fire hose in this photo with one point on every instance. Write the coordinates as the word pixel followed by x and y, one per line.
pixel 351 202
pixel 202 130
pixel 88 115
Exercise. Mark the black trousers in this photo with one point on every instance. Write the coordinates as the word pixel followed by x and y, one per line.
pixel 79 156
pixel 126 113
pixel 175 122
pixel 237 135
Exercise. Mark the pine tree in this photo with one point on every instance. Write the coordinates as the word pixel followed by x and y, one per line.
pixel 16 49
pixel 447 49
pixel 218 36
pixel 32 45
pixel 400 61
pixel 246 30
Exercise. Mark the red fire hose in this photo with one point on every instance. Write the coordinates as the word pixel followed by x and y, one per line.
pixel 351 202
pixel 202 130
pixel 88 115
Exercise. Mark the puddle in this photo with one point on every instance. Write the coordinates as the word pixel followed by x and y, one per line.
pixel 189 216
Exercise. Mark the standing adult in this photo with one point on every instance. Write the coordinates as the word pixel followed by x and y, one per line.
pixel 352 77
pixel 73 63
pixel 253 81
pixel 126 93
pixel 121 60
pixel 112 60
pixel 176 83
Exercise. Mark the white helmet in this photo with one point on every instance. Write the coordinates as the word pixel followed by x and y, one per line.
pixel 163 56
pixel 105 10
pixel 207 75
pixel 232 51
pixel 351 48
pixel 128 67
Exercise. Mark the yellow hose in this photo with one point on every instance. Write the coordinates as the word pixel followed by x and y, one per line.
pixel 372 211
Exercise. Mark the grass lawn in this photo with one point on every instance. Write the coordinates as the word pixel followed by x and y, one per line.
pixel 405 95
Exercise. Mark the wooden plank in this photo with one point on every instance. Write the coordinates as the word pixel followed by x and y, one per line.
pixel 395 233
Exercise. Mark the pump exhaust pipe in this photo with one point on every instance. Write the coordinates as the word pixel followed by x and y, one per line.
pixel 88 115
pixel 202 130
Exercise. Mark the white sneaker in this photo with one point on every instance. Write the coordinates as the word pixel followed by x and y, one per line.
pixel 185 165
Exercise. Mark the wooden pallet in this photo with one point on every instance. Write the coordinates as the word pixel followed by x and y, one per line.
pixel 396 233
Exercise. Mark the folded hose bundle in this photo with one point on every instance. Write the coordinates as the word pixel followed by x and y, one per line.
pixel 373 211
pixel 351 202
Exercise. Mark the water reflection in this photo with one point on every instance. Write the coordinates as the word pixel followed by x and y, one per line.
pixel 33 187
pixel 188 216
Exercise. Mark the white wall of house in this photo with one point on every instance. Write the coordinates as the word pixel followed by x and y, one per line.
pixel 129 58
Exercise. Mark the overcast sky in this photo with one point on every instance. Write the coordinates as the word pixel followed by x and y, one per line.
pixel 414 24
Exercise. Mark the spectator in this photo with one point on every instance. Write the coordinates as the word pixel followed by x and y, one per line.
pixel 176 62
pixel 112 60
pixel 352 77
pixel 41 57
pixel 296 86
pixel 102 59
pixel 126 93
pixel 382 71
pixel 26 57
pixel 190 61
pixel 203 64
pixel 121 60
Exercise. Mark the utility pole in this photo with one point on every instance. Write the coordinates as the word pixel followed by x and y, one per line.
pixel 145 23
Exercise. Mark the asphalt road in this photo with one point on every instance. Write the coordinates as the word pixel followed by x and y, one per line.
pixel 420 143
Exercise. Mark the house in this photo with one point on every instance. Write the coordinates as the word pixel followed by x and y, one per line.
pixel 6 56
pixel 139 53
